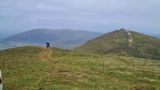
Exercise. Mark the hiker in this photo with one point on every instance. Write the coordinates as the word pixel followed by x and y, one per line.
pixel 47 44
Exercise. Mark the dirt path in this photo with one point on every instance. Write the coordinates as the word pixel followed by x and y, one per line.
pixel 130 39
pixel 46 55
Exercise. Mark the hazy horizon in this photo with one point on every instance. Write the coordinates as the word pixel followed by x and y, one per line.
pixel 92 15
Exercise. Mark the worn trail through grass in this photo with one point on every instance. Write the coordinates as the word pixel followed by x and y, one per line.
pixel 45 54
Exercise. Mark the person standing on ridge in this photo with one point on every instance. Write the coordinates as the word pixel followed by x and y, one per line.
pixel 47 45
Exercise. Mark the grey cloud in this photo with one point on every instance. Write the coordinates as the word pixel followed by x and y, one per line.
pixel 140 15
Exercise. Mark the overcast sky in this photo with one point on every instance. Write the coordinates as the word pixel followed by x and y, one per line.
pixel 92 15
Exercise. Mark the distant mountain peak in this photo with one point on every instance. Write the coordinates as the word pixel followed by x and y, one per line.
pixel 123 29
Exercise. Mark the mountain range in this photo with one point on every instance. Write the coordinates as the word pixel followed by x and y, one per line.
pixel 121 42
pixel 65 38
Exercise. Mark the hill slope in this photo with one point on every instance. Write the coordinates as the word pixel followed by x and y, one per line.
pixel 124 42
pixel 60 38
pixel 36 68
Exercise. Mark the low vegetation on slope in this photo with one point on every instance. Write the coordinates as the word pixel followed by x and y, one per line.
pixel 37 68
pixel 125 43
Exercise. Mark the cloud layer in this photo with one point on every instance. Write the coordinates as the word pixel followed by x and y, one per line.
pixel 93 15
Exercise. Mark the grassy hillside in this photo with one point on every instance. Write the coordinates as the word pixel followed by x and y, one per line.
pixel 126 43
pixel 36 68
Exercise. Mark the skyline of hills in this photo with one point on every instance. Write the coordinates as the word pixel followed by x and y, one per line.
pixel 65 38
pixel 61 42
pixel 5 34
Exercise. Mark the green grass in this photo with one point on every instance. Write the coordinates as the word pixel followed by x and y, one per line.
pixel 117 42
pixel 35 68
